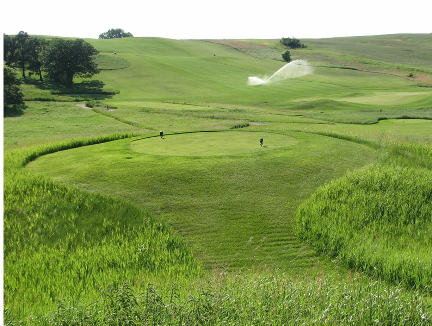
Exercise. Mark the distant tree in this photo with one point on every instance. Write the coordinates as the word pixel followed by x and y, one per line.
pixel 65 59
pixel 115 33
pixel 12 93
pixel 286 56
pixel 292 43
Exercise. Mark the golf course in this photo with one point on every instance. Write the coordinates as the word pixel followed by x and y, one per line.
pixel 208 182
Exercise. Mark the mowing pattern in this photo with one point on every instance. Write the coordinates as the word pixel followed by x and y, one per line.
pixel 233 210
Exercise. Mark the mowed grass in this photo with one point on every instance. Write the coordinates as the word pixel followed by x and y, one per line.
pixel 212 144
pixel 232 200
pixel 209 73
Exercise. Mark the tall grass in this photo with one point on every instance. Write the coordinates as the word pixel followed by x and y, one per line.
pixel 64 243
pixel 410 155
pixel 245 299
pixel 378 219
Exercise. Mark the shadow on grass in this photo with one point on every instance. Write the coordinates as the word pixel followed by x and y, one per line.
pixel 13 111
pixel 89 89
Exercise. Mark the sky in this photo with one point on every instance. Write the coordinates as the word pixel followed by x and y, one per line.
pixel 217 19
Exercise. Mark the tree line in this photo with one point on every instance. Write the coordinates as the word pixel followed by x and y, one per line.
pixel 60 60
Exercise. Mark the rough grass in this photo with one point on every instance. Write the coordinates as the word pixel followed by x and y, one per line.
pixel 50 122
pixel 245 299
pixel 377 220
pixel 70 248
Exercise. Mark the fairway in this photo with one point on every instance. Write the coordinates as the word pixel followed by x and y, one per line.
pixel 212 143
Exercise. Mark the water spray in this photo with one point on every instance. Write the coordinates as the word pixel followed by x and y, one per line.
pixel 294 69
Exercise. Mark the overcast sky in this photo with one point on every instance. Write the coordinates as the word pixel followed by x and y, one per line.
pixel 217 19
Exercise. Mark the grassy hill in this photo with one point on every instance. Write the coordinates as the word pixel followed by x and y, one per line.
pixel 202 225
pixel 211 74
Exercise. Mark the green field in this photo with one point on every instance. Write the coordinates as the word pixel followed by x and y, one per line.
pixel 328 222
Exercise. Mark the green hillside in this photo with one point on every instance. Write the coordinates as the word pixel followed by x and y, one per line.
pixel 210 73
pixel 400 51
pixel 108 223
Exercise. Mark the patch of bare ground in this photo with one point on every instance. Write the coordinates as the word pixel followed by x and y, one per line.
pixel 82 105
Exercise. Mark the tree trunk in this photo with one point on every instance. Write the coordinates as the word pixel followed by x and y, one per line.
pixel 23 70
pixel 40 76
pixel 69 80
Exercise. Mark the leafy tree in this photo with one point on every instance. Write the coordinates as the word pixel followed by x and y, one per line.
pixel 25 52
pixel 12 93
pixel 286 56
pixel 65 59
pixel 9 50
pixel 115 33
pixel 292 43
pixel 16 51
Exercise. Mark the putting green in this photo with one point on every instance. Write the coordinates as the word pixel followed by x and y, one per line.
pixel 212 143
pixel 389 98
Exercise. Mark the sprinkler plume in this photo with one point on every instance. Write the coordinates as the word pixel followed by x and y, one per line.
pixel 294 69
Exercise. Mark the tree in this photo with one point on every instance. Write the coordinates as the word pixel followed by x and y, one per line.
pixel 115 33
pixel 286 56
pixel 12 93
pixel 65 59
pixel 9 50
pixel 24 51
pixel 36 49
pixel 292 43
pixel 16 51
